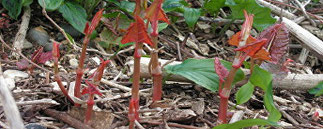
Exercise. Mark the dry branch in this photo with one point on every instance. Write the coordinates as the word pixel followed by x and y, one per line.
pixel 290 82
pixel 307 38
pixel 21 35
pixel 277 10
pixel 9 105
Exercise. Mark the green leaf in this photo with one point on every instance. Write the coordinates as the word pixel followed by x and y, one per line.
pixel 263 79
pixel 244 93
pixel 128 6
pixel 191 16
pixel 214 6
pixel 172 5
pixel 317 90
pixel 74 14
pixel 260 77
pixel 161 26
pixel 201 71
pixel 50 5
pixel 245 123
pixel 262 15
pixel 274 114
pixel 26 2
pixel 13 6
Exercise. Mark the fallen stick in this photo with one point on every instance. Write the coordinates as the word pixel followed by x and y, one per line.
pixel 277 10
pixel 290 82
pixel 9 105
pixel 21 35
pixel 62 116
pixel 307 38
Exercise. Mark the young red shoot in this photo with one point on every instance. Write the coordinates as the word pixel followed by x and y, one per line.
pixel 240 41
pixel 56 55
pixel 221 71
pixel 154 14
pixel 136 33
pixel 251 50
pixel 87 31
pixel 91 90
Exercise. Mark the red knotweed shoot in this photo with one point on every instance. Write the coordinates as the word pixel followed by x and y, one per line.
pixel 87 31
pixel 136 33
pixel 91 90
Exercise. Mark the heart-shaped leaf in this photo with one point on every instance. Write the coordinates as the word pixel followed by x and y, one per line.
pixel 13 6
pixel 75 14
pixel 201 71
pixel 191 16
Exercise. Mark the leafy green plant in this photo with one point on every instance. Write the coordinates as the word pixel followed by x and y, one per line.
pixel 317 90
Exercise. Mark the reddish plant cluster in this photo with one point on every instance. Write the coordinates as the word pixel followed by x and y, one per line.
pixel 137 32
pixel 270 45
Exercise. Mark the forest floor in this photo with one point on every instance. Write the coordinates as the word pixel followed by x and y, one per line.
pixel 184 104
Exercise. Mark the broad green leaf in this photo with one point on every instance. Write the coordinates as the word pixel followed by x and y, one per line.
pixel 244 93
pixel 13 7
pixel 260 77
pixel 26 2
pixel 214 6
pixel 262 15
pixel 50 5
pixel 317 90
pixel 191 16
pixel 245 123
pixel 201 71
pixel 172 5
pixel 128 6
pixel 274 114
pixel 74 14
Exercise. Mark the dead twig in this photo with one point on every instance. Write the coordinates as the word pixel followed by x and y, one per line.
pixel 21 34
pixel 62 116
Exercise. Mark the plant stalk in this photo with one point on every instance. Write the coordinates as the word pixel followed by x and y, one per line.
pixel 134 102
pixel 89 109
pixel 156 71
pixel 224 96
pixel 59 81
pixel 79 71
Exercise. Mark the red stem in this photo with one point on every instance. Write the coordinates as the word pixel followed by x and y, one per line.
pixel 59 81
pixel 156 71
pixel 224 96
pixel 79 71
pixel 89 109
pixel 135 86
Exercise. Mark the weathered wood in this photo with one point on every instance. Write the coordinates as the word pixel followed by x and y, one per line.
pixel 290 82
pixel 307 38
pixel 9 105
pixel 277 10
pixel 21 35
